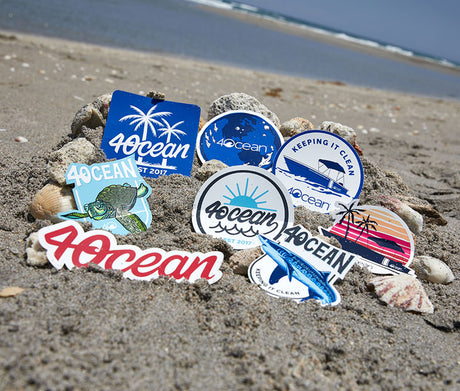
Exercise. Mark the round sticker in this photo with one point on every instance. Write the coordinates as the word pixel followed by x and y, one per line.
pixel 319 169
pixel 239 203
pixel 239 137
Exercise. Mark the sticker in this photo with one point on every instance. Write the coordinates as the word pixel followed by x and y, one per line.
pixel 378 236
pixel 160 134
pixel 112 196
pixel 239 137
pixel 301 267
pixel 67 244
pixel 319 169
pixel 238 203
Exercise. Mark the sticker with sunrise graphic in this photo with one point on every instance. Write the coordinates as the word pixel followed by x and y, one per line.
pixel 378 236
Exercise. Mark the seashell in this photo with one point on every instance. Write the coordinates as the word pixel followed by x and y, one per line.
pixel 295 126
pixel 36 254
pixel 50 201
pixel 20 139
pixel 11 291
pixel 92 115
pixel 412 218
pixel 402 291
pixel 432 269
pixel 209 168
pixel 241 101
pixel 432 216
pixel 241 260
pixel 79 150
pixel 343 131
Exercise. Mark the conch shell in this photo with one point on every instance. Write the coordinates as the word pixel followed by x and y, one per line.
pixel 50 201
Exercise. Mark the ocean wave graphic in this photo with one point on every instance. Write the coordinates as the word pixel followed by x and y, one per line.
pixel 249 233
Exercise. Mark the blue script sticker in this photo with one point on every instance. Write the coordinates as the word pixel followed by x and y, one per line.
pixel 301 267
pixel 238 203
pixel 111 196
pixel 319 169
pixel 239 138
pixel 160 134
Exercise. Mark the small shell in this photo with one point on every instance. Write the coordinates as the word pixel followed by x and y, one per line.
pixel 402 291
pixel 209 168
pixel 432 269
pixel 412 218
pixel 36 254
pixel 295 126
pixel 50 201
pixel 241 260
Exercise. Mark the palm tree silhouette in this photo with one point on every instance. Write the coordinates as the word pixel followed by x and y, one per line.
pixel 169 130
pixel 365 224
pixel 146 119
pixel 348 212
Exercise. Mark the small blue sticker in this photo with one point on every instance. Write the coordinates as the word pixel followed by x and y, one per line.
pixel 160 134
pixel 111 196
pixel 239 138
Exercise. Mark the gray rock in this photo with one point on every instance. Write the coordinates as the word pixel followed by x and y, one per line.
pixel 209 168
pixel 241 101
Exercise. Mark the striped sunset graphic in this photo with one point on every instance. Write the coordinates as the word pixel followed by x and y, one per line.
pixel 377 229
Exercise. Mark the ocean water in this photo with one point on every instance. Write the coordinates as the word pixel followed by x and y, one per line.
pixel 422 28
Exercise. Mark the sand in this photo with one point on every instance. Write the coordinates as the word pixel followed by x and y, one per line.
pixel 87 329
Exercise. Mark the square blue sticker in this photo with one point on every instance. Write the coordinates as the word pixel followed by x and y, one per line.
pixel 160 134
pixel 112 196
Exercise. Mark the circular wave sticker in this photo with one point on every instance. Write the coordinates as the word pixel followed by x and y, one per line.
pixel 239 203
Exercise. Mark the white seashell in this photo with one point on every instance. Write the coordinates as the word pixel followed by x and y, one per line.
pixel 412 218
pixel 209 168
pixel 295 126
pixel 50 201
pixel 79 150
pixel 402 291
pixel 36 254
pixel 241 260
pixel 432 269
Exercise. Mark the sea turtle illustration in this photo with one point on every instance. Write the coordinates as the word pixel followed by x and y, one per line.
pixel 115 201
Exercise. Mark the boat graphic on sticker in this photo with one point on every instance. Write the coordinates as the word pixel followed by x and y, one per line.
pixel 378 236
pixel 319 169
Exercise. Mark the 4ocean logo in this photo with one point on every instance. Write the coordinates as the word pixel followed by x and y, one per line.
pixel 239 203
pixel 160 134
pixel 319 169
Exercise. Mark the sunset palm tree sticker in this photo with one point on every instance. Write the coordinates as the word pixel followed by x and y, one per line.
pixel 147 120
pixel 348 212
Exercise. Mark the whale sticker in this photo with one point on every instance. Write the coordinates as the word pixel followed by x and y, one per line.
pixel 301 267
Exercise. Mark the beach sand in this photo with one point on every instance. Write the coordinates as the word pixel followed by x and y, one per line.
pixel 86 329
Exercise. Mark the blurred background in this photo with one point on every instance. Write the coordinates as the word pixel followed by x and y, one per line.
pixel 404 45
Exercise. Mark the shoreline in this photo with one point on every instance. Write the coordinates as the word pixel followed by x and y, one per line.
pixel 326 38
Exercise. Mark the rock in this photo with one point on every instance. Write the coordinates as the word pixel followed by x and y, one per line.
pixel 241 260
pixel 92 115
pixel 241 101
pixel 156 95
pixel 79 150
pixel 295 126
pixel 51 200
pixel 209 168
pixel 343 131
pixel 432 269
pixel 35 253
pixel 412 218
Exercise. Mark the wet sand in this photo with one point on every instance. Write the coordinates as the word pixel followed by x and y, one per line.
pixel 86 329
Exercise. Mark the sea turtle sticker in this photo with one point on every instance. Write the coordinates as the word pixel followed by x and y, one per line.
pixel 239 137
pixel 300 267
pixel 238 203
pixel 319 169
pixel 160 134
pixel 380 238
pixel 110 195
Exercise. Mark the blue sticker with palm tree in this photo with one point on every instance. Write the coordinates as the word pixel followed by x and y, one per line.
pixel 160 134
